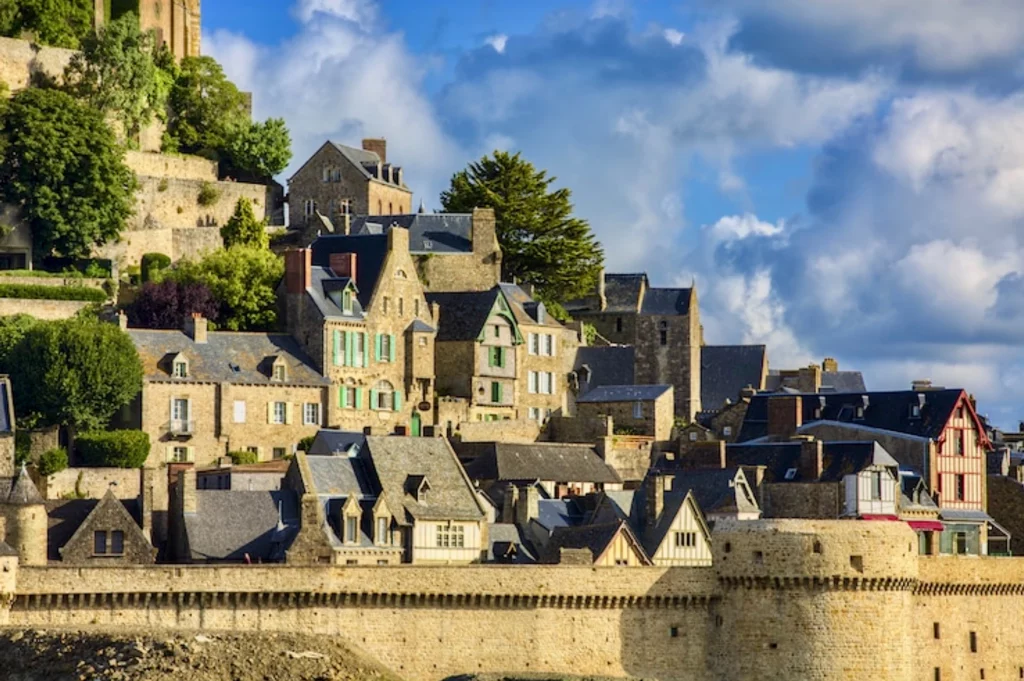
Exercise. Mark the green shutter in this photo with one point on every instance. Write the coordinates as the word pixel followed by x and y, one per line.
pixel 337 347
pixel 373 399
pixel 366 352
pixel 391 349
pixel 376 347
pixel 343 397
pixel 499 357
pixel 495 392
pixel 348 348
pixel 490 357
pixel 398 401
pixel 359 398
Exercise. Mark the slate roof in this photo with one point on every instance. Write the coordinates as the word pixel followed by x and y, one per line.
pixel 451 495
pixel 838 459
pixel 552 513
pixel 666 301
pixel 226 357
pixel 506 544
pixel 328 441
pixel 846 458
pixel 20 490
pixel 608 365
pixel 890 411
pixel 727 369
pixel 65 516
pixel 624 393
pixel 441 233
pixel 622 292
pixel 322 284
pixel 524 308
pixel 344 476
pixel 594 537
pixel 540 461
pixel 228 524
pixel 831 382
pixel 370 250
pixel 462 314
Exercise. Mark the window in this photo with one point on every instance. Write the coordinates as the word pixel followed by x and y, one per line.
pixel 382 531
pixel 673 632
pixel 346 301
pixel 859 413
pixel 117 543
pixel 618 324
pixel 401 307
pixel 386 349
pixel 325 174
pixel 622 562
pixel 180 415
pixel 349 395
pixel 960 543
pixel 180 455
pixel 960 412
pixel 359 349
pixel 958 443
pixel 549 345
pixel 239 411
pixel 386 304
pixel 935 629
pixel 384 397
pixel 280 413
pixel 279 452
pixel 497 331
pixel 876 485
pixel 638 413
pixel 99 542
pixel 351 529
pixel 686 539
pixel 451 537
pixel 351 561
pixel 961 487
pixel 383 561
pixel 496 357
pixel 280 372
pixel 915 411
pixel 974 641
pixel 532 383
pixel 693 434
pixel 180 368
pixel 663 332
pixel 309 207
pixel 254 450
pixel 534 414
pixel 791 474
pixel 546 382
pixel 495 392
pixel 311 414
pixel 727 431
pixel 534 344
pixel 416 307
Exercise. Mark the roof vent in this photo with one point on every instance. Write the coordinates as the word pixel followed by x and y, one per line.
pixel 791 474
pixel 428 244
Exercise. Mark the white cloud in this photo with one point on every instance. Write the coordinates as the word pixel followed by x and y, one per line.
pixel 362 12
pixel 674 36
pixel 497 41
pixel 736 227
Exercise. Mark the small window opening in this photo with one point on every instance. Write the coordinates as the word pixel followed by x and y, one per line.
pixel 935 629
pixel 817 547
pixel 974 642
pixel 857 563
pixel 673 632
pixel 758 557
pixel 728 547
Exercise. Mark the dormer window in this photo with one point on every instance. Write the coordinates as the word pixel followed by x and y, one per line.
pixel 279 370
pixel 180 368
pixel 915 411
pixel 418 487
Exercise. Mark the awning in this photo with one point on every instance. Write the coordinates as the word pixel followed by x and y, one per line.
pixel 925 525
pixel 878 516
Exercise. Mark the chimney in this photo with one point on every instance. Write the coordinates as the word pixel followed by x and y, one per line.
pixel 435 313
pixel 346 224
pixel 187 480
pixel 657 483
pixel 196 327
pixel 509 503
pixel 297 265
pixel 398 239
pixel 147 480
pixel 344 265
pixel 377 145
pixel 809 379
pixel 921 384
pixel 785 415
pixel 830 365
pixel 810 458
pixel 122 321
pixel 527 505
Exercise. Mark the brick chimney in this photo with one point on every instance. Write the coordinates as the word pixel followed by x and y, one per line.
pixel 187 480
pixel 196 327
pixel 785 415
pixel 377 145
pixel 297 265
pixel 809 379
pixel 343 265
pixel 811 461
pixel 830 365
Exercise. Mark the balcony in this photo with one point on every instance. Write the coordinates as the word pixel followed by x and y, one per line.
pixel 181 428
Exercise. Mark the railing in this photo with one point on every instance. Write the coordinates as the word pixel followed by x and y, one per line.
pixel 181 427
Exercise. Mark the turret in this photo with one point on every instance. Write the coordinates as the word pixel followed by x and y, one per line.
pixel 25 515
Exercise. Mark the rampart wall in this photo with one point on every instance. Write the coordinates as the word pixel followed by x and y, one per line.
pixel 19 59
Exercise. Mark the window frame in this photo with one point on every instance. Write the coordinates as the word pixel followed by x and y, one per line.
pixel 99 543
pixel 279 419
pixel 309 408
pixel 116 544
pixel 235 411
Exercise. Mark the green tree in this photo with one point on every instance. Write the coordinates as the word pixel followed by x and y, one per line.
pixel 12 330
pixel 61 163
pixel 76 372
pixel 243 229
pixel 59 23
pixel 260 149
pixel 542 243
pixel 205 107
pixel 243 279
pixel 115 73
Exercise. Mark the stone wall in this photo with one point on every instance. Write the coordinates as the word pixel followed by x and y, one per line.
pixel 171 166
pixel 513 430
pixel 93 483
pixel 41 309
pixel 19 59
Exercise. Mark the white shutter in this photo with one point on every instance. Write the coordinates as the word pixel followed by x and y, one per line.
pixel 288 413
pixel 239 411
pixel 270 412
pixel 549 345
pixel 533 382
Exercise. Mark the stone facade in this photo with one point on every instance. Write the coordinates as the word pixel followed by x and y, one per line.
pixel 476 270
pixel 653 418
pixel 340 182
pixel 120 540
pixel 20 59
pixel 177 23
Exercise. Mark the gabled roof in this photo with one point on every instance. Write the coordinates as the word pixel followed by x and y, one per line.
pixel 666 301
pixel 624 393
pixel 831 382
pixel 607 365
pixel 323 288
pixel 65 517
pixel 506 544
pixel 623 292
pixel 230 524
pixel 597 538
pixel 727 369
pixel 20 491
pixel 889 411
pixel 451 495
pixel 464 314
pixel 226 357
pixel 370 251
pixel 441 233
pixel 329 441
pixel 781 458
pixel 360 158
pixel 343 476
pixel 552 513
pixel 555 462
pixel 525 309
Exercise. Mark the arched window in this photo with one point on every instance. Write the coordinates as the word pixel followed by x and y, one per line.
pixel 382 397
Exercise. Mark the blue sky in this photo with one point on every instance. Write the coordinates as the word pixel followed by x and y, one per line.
pixel 841 179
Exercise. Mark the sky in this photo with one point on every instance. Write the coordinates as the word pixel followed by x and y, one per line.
pixel 840 179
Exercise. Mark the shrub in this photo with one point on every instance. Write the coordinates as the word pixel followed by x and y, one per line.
pixel 53 461
pixel 22 446
pixel 114 448
pixel 167 304
pixel 242 458
pixel 208 194
pixel 153 263
pixel 306 442
pixel 36 292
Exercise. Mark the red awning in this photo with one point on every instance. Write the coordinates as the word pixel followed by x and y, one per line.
pixel 877 516
pixel 925 525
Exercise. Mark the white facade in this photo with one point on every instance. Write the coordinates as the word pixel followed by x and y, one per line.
pixel 872 491
pixel 687 541
pixel 446 542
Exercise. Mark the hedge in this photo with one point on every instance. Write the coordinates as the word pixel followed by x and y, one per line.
pixel 113 449
pixel 37 292
pixel 53 461
pixel 242 458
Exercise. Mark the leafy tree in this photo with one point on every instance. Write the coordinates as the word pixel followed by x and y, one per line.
pixel 62 165
pixel 152 265
pixel 12 330
pixel 243 279
pixel 243 457
pixel 115 73
pixel 53 461
pixel 541 242
pixel 59 23
pixel 114 448
pixel 167 304
pixel 243 229
pixel 206 107
pixel 260 149
pixel 76 372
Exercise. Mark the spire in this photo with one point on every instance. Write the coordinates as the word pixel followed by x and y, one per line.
pixel 23 491
pixel 422 209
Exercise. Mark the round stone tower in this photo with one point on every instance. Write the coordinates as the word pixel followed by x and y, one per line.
pixel 26 520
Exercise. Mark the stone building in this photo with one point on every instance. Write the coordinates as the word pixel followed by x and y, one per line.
pixel 357 307
pixel 662 325
pixel 453 251
pixel 176 23
pixel 339 182
pixel 207 393
pixel 726 370
pixel 501 356
pixel 107 531
pixel 635 409
pixel 603 545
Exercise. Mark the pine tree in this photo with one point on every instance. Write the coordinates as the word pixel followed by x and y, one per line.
pixel 243 229
pixel 542 243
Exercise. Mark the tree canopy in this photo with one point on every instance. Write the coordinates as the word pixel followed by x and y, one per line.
pixel 76 372
pixel 243 229
pixel 542 243
pixel 58 23
pixel 167 304
pixel 61 163
pixel 261 149
pixel 116 73
pixel 243 279
pixel 206 107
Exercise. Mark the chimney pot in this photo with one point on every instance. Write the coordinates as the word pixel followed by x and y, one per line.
pixel 297 264
pixel 196 327
pixel 377 145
